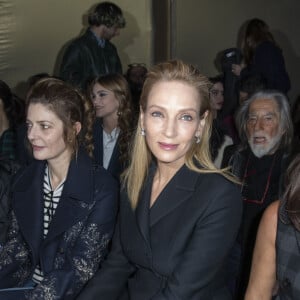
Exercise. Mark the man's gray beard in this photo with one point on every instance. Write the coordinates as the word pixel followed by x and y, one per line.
pixel 260 151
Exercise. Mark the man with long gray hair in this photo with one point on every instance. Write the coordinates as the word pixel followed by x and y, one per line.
pixel 265 129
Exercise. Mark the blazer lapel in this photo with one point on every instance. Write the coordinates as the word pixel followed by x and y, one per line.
pixel 76 199
pixel 143 209
pixel 28 204
pixel 178 190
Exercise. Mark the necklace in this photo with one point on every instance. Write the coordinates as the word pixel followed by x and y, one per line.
pixel 261 201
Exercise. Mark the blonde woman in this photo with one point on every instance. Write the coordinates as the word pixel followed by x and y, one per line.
pixel 179 215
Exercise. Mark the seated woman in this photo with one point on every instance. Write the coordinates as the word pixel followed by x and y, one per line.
pixel 179 215
pixel 12 115
pixel 114 124
pixel 219 136
pixel 276 259
pixel 63 205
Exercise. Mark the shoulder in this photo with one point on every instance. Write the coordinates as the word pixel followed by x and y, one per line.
pixel 270 216
pixel 217 190
pixel 80 42
pixel 267 48
pixel 103 178
pixel 109 45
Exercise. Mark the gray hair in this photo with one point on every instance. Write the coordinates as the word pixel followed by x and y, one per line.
pixel 285 122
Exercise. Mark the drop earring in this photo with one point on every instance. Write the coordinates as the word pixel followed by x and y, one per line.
pixel 143 132
pixel 197 139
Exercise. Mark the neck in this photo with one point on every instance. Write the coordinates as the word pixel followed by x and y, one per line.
pixel 110 123
pixel 98 31
pixel 58 170
pixel 165 172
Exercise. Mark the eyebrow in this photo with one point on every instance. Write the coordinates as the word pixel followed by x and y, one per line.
pixel 181 110
pixel 41 121
pixel 266 114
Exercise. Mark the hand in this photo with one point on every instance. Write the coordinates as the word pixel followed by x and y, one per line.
pixel 236 69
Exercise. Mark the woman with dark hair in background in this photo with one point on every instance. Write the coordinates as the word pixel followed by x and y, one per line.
pixel 220 127
pixel 113 128
pixel 63 205
pixel 263 56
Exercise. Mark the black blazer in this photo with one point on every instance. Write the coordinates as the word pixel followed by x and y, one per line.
pixel 114 167
pixel 176 249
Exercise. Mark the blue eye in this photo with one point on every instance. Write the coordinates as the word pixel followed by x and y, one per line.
pixel 156 114
pixel 186 118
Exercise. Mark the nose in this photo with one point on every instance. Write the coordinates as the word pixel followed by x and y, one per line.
pixel 170 128
pixel 258 124
pixel 31 133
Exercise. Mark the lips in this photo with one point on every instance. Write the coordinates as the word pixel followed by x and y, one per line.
pixel 259 140
pixel 168 147
pixel 37 148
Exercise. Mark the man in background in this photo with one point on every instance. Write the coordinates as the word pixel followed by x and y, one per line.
pixel 92 54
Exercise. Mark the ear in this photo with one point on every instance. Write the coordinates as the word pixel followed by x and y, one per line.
pixel 77 127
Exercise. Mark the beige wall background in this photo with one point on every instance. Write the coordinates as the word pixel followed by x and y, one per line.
pixel 40 29
pixel 33 33
pixel 205 27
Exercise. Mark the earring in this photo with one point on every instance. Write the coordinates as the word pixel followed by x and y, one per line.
pixel 143 132
pixel 197 139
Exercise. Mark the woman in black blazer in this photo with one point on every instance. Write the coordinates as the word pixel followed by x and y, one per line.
pixel 114 124
pixel 179 215
pixel 63 205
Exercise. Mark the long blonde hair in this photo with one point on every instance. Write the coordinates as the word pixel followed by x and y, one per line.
pixel 198 157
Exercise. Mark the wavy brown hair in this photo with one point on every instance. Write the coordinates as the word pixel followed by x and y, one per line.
pixel 117 84
pixel 70 106
pixel 292 192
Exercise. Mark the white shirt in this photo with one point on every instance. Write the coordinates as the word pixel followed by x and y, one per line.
pixel 109 142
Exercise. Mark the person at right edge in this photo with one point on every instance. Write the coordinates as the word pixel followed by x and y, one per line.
pixel 262 56
pixel 179 214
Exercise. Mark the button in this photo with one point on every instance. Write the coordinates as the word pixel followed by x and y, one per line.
pixel 61 250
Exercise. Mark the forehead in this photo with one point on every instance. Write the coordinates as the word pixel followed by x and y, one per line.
pixel 38 112
pixel 263 105
pixel 171 93
pixel 218 85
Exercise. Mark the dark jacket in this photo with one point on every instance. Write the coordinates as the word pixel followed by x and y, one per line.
pixel 176 249
pixel 78 235
pixel 8 168
pixel 287 257
pixel 262 180
pixel 115 167
pixel 268 61
pixel 84 60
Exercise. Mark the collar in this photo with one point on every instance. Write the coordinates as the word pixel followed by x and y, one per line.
pixel 100 41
